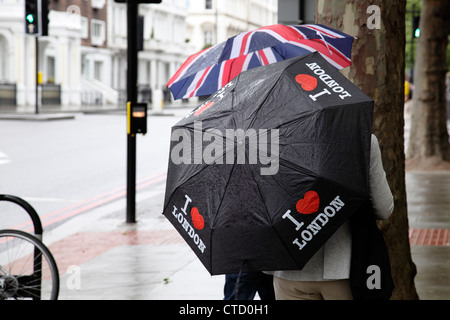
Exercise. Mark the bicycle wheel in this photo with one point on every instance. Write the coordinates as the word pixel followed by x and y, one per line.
pixel 27 268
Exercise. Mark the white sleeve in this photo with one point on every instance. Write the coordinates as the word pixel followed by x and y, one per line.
pixel 382 199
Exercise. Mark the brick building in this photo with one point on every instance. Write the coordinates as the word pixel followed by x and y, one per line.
pixel 93 19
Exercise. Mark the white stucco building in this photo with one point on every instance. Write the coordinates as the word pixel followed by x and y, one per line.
pixel 17 52
pixel 83 60
pixel 164 45
pixel 213 21
pixel 84 55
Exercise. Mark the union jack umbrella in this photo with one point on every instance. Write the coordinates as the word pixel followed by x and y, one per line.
pixel 207 71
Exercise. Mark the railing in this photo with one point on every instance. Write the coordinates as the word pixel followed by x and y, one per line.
pixel 51 94
pixel 8 94
pixel 91 98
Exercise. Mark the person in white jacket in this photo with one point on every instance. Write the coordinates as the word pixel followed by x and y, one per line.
pixel 326 275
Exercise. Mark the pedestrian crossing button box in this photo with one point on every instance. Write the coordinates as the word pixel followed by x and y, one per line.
pixel 137 118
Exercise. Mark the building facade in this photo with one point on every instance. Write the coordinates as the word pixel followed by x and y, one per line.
pixel 213 21
pixel 164 46
pixel 292 12
pixel 83 60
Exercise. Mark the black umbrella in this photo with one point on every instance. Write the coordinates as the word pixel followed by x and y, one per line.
pixel 269 167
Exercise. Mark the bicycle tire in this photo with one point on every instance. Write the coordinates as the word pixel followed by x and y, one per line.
pixel 27 208
pixel 45 254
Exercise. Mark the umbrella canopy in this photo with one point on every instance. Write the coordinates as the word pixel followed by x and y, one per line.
pixel 265 171
pixel 209 70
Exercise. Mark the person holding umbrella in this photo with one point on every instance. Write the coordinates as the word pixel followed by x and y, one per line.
pixel 244 286
pixel 257 210
pixel 327 275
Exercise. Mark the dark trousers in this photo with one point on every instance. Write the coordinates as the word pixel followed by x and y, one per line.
pixel 249 284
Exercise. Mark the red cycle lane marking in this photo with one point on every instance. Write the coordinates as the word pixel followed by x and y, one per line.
pixel 77 249
pixel 91 203
pixel 100 202
pixel 429 237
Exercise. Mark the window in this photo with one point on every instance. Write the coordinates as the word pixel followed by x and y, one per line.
pixel 208 38
pixel 98 4
pixel 3 58
pixel 84 28
pixel 84 67
pixel 98 33
pixel 98 70
pixel 208 4
pixel 51 70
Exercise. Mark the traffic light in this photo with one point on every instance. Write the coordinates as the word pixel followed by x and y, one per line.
pixel 136 118
pixel 31 16
pixel 416 26
pixel 44 15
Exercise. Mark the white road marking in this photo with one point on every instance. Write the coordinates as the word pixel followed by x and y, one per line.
pixel 47 199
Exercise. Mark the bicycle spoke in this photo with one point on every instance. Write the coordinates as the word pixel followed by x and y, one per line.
pixel 27 268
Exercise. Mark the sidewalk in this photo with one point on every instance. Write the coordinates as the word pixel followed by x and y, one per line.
pixel 102 257
pixel 428 196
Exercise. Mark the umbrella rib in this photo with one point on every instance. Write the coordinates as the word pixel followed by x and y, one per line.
pixel 263 102
pixel 269 218
pixel 227 184
pixel 273 47
pixel 217 211
pixel 180 183
pixel 260 195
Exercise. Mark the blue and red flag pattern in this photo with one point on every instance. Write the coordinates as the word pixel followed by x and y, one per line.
pixel 207 71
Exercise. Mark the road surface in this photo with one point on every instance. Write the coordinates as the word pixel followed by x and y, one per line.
pixel 67 167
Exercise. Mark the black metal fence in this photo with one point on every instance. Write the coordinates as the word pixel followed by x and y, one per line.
pixel 91 98
pixel 51 94
pixel 8 94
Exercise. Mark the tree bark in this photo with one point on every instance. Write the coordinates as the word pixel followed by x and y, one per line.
pixel 429 136
pixel 378 70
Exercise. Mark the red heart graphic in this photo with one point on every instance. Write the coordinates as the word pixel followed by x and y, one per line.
pixel 309 203
pixel 203 108
pixel 308 82
pixel 197 219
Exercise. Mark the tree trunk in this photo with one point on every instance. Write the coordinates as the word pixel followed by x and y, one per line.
pixel 378 70
pixel 429 136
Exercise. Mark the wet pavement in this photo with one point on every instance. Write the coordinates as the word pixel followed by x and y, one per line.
pixel 428 196
pixel 102 257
